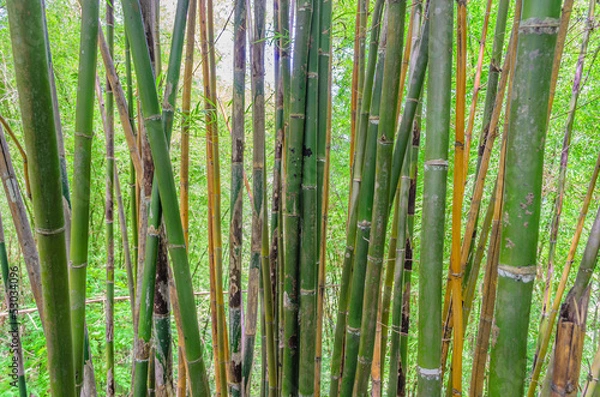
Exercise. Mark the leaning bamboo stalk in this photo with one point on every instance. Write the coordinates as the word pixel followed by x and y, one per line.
pixel 476 84
pixel 125 113
pixel 381 196
pixel 35 99
pixel 591 386
pixel 557 210
pixel 166 185
pixel 375 48
pixel 21 223
pixel 480 355
pixel 522 199
pixel 236 207
pixel 125 239
pixel 408 256
pixel 363 230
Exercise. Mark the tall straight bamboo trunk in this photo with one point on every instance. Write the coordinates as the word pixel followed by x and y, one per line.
pixel 548 318
pixel 186 125
pixel 522 194
pixel 236 206
pixel 292 208
pixel 109 210
pixel 84 116
pixel 35 100
pixel 434 198
pixel 309 218
pixel 166 185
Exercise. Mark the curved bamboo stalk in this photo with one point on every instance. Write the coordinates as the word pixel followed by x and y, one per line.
pixel 30 56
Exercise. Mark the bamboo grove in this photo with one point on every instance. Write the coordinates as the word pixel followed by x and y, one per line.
pixel 424 254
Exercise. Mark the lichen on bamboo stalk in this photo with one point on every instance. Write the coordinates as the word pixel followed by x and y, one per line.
pixel 522 198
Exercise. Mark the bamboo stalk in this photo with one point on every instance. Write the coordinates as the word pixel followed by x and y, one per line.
pixel 236 207
pixel 81 181
pixel 309 216
pixel 434 193
pixel 557 210
pixel 522 198
pixel 460 172
pixel 208 50
pixel 166 185
pixel 35 99
pixel 486 317
pixel 109 213
pixel 352 225
pixel 363 230
pixel 381 196
pixel 293 171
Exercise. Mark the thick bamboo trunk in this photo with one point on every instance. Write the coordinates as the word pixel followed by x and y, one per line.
pixel 35 99
pixel 522 197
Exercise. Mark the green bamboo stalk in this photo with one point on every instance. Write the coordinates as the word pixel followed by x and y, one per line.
pixel 35 99
pixel 109 213
pixel 166 185
pixel 276 251
pixel 10 278
pixel 415 88
pixel 351 227
pixel 522 198
pixel 132 170
pixel 163 362
pixel 557 209
pixel 293 172
pixel 309 217
pixel 408 255
pixel 398 293
pixel 81 180
pixel 363 230
pixel 385 140
pixel 236 206
pixel 434 198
